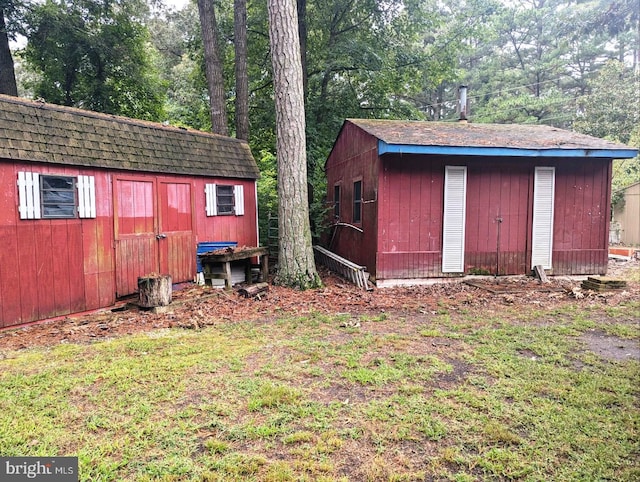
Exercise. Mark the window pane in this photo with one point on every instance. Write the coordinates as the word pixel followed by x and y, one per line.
pixel 57 182
pixel 58 197
pixel 336 201
pixel 58 211
pixel 357 201
pixel 225 199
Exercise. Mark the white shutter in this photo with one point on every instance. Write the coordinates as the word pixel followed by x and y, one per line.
pixel 238 191
pixel 455 199
pixel 211 206
pixel 86 196
pixel 29 195
pixel 542 232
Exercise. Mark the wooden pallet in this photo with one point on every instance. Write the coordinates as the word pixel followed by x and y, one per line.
pixel 603 284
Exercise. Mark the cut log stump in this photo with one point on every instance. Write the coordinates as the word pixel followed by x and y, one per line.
pixel 154 290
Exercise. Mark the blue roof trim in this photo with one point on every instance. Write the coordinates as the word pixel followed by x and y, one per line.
pixel 384 148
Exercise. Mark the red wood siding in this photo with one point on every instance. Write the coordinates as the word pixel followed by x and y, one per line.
pixel 135 231
pixel 354 157
pixel 241 229
pixel 409 214
pixel 51 267
pixel 410 218
pixel 493 194
pixel 178 249
pixel 582 211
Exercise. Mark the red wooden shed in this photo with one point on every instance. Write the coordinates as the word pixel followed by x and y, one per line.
pixel 89 202
pixel 417 200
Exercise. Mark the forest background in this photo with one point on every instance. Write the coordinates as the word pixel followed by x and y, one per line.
pixel 574 64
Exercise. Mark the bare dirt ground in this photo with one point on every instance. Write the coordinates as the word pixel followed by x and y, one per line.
pixel 196 306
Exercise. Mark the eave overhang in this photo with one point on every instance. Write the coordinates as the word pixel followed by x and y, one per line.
pixel 492 151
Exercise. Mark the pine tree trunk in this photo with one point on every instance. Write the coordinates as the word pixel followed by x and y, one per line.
pixel 302 32
pixel 242 79
pixel 7 73
pixel 213 67
pixel 296 264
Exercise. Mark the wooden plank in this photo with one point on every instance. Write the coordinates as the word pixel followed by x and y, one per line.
pixel 540 273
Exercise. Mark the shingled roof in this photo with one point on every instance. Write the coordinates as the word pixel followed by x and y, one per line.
pixel 469 139
pixel 35 131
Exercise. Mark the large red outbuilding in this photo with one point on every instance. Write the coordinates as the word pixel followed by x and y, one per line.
pixel 89 202
pixel 418 200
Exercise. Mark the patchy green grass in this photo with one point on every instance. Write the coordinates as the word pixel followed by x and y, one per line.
pixel 463 396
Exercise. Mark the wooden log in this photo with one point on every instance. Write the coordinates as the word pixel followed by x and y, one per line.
pixel 253 290
pixel 154 290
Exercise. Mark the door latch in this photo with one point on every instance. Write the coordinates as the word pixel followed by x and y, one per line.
pixel 161 236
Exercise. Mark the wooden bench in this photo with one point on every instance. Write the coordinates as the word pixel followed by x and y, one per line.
pixel 211 264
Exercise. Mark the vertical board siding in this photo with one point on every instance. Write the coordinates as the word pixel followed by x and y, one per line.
pixel 495 193
pixel 414 187
pixel 581 226
pixel 178 249
pixel 408 214
pixel 354 157
pixel 241 229
pixel 51 267
pixel 46 264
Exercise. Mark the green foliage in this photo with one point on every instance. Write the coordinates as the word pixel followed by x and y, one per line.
pixel 611 110
pixel 94 54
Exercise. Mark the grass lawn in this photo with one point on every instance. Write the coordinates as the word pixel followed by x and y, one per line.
pixel 500 392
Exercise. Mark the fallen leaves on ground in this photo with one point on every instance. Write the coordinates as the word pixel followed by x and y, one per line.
pixel 194 307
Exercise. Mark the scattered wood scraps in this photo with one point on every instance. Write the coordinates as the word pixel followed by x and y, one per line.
pixel 603 284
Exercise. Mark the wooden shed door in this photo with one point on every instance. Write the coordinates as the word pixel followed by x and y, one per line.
pixel 177 243
pixel 153 231
pixel 135 232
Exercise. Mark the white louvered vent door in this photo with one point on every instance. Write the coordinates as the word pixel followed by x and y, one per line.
pixel 455 200
pixel 543 198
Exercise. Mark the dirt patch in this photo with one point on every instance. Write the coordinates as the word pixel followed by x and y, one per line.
pixel 514 285
pixel 195 307
pixel 610 347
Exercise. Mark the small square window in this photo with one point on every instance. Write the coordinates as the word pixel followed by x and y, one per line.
pixel 57 197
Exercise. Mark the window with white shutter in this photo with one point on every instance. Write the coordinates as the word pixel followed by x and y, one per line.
pixel 44 196
pixel 224 199
pixel 542 229
pixel 453 225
